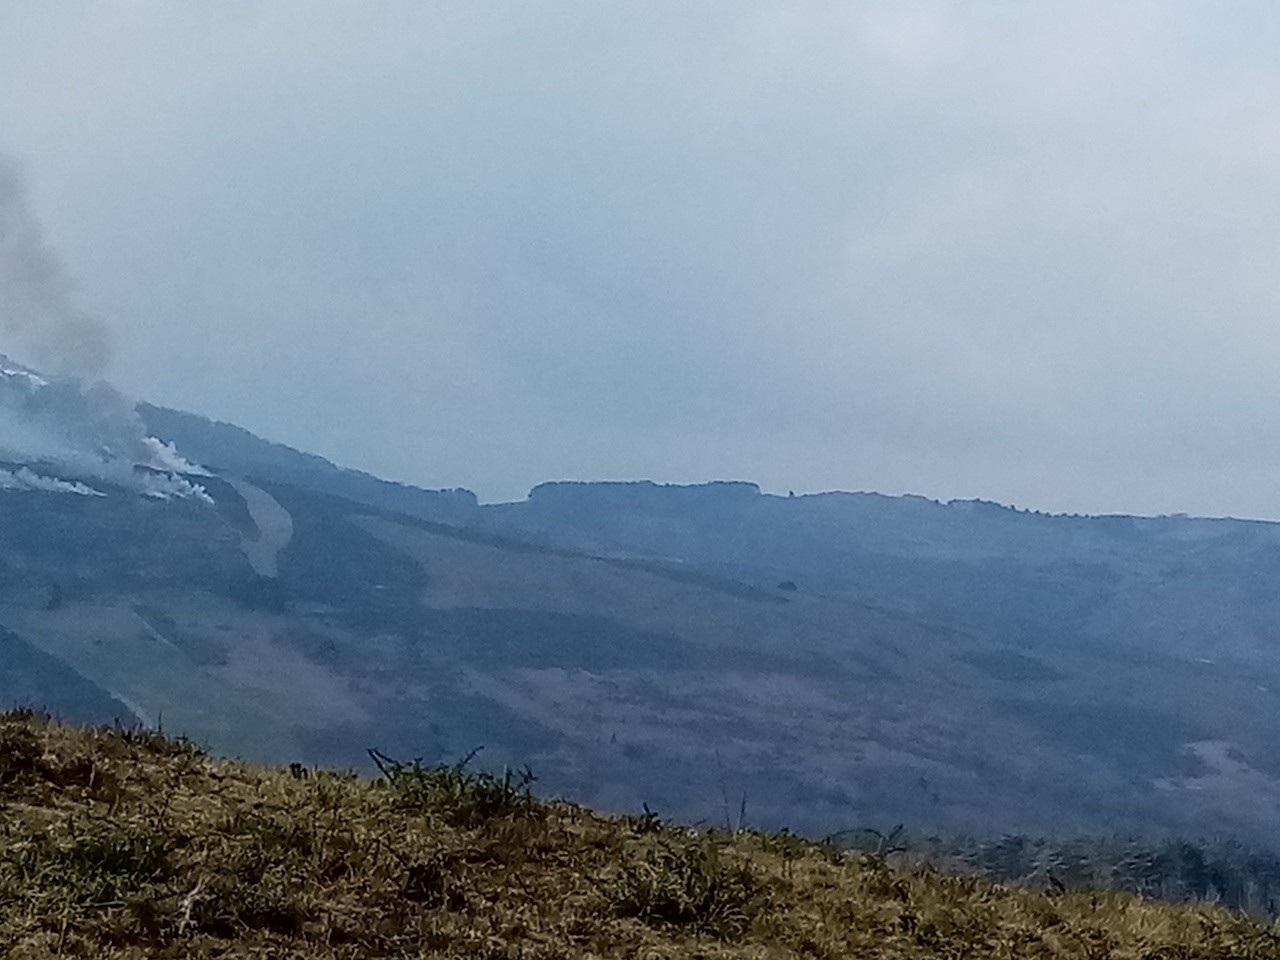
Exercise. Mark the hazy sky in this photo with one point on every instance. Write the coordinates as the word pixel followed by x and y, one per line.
pixel 1028 251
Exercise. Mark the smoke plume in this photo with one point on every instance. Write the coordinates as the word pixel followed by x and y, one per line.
pixel 39 319
pixel 66 416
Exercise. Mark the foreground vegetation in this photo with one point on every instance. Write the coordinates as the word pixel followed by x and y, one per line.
pixel 119 844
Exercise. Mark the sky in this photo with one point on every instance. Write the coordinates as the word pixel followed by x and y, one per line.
pixel 1022 251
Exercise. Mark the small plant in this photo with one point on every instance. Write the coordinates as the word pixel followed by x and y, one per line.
pixel 646 823
pixel 462 797
pixel 874 846
pixel 686 884
pixel 21 754
pixel 158 743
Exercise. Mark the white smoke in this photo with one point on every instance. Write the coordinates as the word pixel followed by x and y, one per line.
pixel 165 456
pixel 24 478
pixel 91 432
pixel 69 419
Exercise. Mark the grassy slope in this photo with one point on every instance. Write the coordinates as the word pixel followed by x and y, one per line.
pixel 118 844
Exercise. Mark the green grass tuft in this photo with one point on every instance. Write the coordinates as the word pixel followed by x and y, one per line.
pixel 686 882
pixel 463 797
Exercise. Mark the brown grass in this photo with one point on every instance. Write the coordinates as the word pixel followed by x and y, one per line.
pixel 118 844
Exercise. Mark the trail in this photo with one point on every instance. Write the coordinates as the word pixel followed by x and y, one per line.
pixel 274 528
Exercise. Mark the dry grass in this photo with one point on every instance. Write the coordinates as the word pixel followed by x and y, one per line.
pixel 116 844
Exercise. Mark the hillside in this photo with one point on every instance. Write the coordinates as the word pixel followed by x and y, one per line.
pixel 834 661
pixel 232 449
pixel 121 844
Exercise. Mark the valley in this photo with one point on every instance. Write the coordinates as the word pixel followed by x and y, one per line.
pixel 819 662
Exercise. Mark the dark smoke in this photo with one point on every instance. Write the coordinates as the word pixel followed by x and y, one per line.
pixel 39 320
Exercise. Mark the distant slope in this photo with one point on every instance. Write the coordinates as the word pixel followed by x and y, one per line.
pixel 32 677
pixel 837 660
pixel 233 449
pixel 1192 589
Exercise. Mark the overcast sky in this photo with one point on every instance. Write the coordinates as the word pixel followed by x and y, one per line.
pixel 1022 251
